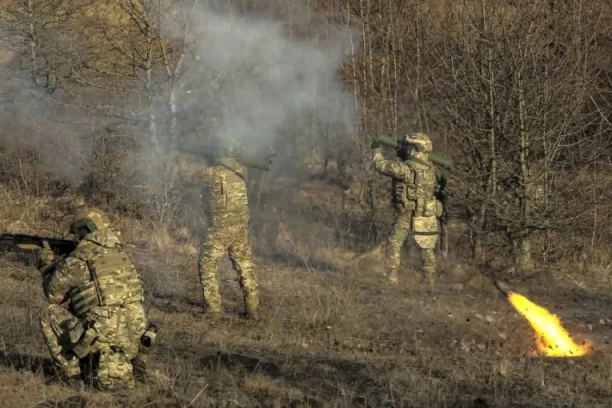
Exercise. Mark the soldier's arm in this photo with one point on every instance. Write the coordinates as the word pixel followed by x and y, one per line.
pixel 201 177
pixel 391 168
pixel 186 178
pixel 67 275
pixel 185 173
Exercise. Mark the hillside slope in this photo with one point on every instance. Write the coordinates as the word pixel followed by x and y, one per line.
pixel 330 337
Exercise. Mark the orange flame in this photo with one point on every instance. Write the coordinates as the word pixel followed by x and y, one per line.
pixel 552 339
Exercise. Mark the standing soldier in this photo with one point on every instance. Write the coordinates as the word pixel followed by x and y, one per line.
pixel 414 182
pixel 95 306
pixel 224 198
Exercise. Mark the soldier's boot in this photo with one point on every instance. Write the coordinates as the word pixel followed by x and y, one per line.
pixel 71 373
pixel 212 302
pixel 251 305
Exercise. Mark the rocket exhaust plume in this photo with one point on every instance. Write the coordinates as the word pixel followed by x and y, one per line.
pixel 552 340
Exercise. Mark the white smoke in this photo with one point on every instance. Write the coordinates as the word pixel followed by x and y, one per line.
pixel 245 76
pixel 258 83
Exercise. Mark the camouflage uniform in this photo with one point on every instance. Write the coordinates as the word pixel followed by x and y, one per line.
pixel 225 202
pixel 95 307
pixel 414 182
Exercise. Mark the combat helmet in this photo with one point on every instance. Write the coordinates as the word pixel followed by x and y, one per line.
pixel 88 220
pixel 420 141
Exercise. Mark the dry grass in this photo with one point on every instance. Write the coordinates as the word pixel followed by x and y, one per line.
pixel 331 336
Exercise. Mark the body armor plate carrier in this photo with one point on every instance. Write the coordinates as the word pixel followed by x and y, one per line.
pixel 113 281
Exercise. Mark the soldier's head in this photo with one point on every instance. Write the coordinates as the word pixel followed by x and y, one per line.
pixel 88 220
pixel 420 141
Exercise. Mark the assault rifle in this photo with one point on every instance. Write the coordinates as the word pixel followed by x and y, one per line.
pixel 61 247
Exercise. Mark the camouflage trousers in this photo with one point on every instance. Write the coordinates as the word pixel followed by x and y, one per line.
pixel 57 324
pixel 397 237
pixel 111 337
pixel 233 240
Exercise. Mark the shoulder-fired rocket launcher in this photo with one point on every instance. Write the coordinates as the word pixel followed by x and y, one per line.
pixel 254 158
pixel 398 145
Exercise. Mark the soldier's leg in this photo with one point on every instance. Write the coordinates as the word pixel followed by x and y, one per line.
pixel 212 249
pixel 240 253
pixel 396 239
pixel 142 336
pixel 146 344
pixel 56 322
pixel 428 260
pixel 426 242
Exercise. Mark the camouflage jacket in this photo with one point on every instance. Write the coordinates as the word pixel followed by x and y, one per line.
pixel 412 180
pixel 224 192
pixel 97 274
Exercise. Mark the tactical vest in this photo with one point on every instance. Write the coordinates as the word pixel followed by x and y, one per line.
pixel 418 194
pixel 225 193
pixel 399 195
pixel 113 280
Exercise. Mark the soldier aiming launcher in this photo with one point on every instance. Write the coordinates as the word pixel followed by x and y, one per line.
pixel 254 158
pixel 400 145
pixel 404 147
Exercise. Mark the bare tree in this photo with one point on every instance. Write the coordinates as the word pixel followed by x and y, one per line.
pixel 516 86
pixel 39 31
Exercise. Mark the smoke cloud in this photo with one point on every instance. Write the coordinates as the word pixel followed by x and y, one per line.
pixel 257 82
pixel 257 79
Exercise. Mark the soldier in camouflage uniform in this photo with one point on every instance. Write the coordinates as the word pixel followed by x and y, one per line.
pixel 95 306
pixel 224 198
pixel 414 181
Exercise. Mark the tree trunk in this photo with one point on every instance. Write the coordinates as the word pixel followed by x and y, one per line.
pixel 525 260
pixel 33 46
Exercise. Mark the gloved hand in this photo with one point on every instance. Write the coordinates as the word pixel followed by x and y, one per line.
pixel 375 144
pixel 46 255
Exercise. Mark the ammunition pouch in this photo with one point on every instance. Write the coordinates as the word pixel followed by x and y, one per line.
pixel 425 208
pixel 87 343
pixel 405 207
pixel 401 200
pixel 426 230
pixel 411 192
pixel 76 332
